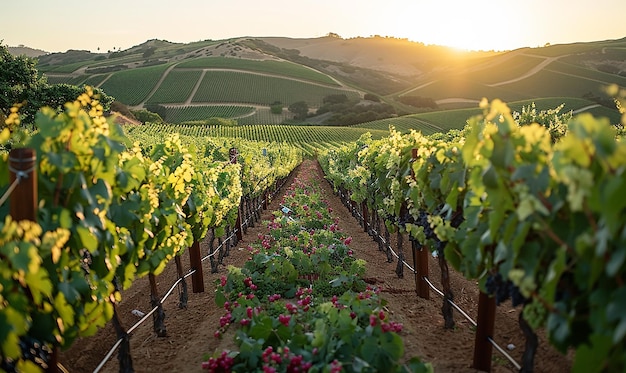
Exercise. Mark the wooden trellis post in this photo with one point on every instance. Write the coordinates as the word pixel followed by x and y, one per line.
pixel 195 262
pixel 24 200
pixel 485 320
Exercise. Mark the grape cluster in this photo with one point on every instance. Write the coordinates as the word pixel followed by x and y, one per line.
pixel 422 221
pixel 503 290
pixel 33 350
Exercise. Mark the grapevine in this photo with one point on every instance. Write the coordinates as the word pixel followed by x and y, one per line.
pixel 531 210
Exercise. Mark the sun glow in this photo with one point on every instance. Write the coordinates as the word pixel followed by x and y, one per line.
pixel 466 25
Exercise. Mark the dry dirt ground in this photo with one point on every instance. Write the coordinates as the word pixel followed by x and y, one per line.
pixel 190 331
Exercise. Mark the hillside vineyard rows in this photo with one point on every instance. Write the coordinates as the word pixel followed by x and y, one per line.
pixel 253 72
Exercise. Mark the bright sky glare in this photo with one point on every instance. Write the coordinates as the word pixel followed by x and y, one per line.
pixel 56 26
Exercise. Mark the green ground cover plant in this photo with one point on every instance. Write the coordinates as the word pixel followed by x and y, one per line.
pixel 299 304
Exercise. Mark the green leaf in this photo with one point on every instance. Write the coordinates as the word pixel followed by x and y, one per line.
pixel 590 358
pixel 392 344
pixel 220 298
pixel 65 219
pixel 87 239
pixel 490 177
pixel 261 329
pixel 370 348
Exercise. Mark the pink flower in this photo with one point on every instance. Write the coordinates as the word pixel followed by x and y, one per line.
pixel 347 240
pixel 335 366
pixel 284 319
pixel 268 369
pixel 372 320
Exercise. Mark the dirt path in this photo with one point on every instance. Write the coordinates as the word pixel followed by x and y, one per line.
pixel 190 331
pixel 531 72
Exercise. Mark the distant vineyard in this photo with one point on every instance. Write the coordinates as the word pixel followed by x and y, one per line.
pixel 75 80
pixel 402 124
pixel 96 80
pixel 133 86
pixel 282 68
pixel 228 86
pixel 176 87
pixel 308 138
pixel 265 116
pixel 190 113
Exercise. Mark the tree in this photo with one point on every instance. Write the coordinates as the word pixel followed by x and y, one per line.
pixel 276 107
pixel 371 97
pixel 149 52
pixel 339 98
pixel 20 82
pixel 300 109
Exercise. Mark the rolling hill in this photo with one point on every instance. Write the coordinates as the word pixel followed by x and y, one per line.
pixel 250 74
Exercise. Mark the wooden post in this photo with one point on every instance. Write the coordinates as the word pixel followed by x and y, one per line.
pixel 23 203
pixel 421 270
pixel 484 331
pixel 195 261
pixel 24 199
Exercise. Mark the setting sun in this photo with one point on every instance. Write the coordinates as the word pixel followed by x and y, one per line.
pixel 476 25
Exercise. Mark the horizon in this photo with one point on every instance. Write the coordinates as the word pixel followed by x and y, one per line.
pixel 487 25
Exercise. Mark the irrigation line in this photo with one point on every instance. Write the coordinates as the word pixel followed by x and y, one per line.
pixel 141 321
pixel 503 352
pixel 180 279
pixel 153 310
pixel 19 176
pixel 220 245
pixel 430 284
pixel 108 356
pixel 449 301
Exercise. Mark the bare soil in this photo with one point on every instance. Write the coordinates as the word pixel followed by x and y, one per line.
pixel 190 331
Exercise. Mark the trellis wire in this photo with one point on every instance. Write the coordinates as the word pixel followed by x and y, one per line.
pixel 430 284
pixel 189 273
pixel 19 176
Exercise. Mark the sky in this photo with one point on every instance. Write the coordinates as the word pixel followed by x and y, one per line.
pixel 59 25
